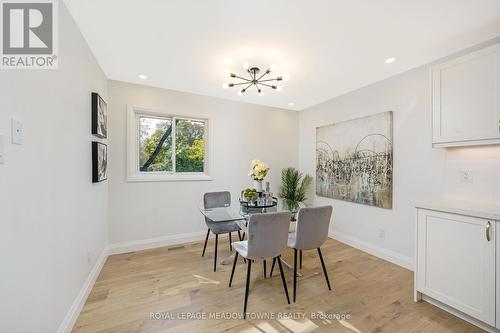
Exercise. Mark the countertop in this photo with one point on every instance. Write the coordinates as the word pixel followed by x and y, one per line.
pixel 486 210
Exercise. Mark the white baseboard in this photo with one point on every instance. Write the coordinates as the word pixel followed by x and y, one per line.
pixel 77 306
pixel 151 243
pixel 394 257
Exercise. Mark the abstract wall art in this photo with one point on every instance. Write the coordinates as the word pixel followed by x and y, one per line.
pixel 354 160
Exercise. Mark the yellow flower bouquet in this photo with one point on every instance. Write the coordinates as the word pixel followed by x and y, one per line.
pixel 259 170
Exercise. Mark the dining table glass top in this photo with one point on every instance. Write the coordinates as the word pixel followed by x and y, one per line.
pixel 230 213
pixel 222 214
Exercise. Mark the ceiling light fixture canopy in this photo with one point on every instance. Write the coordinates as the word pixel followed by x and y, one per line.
pixel 255 79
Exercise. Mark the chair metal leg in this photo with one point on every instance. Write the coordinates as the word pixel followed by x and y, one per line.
pixel 234 266
pixel 272 268
pixel 215 256
pixel 230 241
pixel 294 274
pixel 264 263
pixel 206 240
pixel 249 268
pixel 324 269
pixel 300 259
pixel 283 281
pixel 241 238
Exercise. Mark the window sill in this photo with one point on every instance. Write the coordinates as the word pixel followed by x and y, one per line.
pixel 167 178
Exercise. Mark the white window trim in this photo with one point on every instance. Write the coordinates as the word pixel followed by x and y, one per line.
pixel 133 173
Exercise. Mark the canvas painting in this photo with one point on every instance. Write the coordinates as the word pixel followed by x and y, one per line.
pixel 99 162
pixel 99 116
pixel 354 160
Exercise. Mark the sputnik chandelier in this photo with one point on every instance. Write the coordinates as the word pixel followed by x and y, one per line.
pixel 255 79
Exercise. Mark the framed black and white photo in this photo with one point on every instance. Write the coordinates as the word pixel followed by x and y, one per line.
pixel 99 116
pixel 99 162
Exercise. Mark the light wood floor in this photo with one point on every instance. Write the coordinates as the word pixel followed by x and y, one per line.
pixel 377 295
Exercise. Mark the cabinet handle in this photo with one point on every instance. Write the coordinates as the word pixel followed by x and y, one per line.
pixel 488 227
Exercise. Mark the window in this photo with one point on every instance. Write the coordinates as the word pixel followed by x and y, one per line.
pixel 165 147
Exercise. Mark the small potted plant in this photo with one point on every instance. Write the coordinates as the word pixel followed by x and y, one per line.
pixel 293 189
pixel 258 172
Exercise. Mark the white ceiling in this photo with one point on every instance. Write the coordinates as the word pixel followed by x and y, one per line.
pixel 328 47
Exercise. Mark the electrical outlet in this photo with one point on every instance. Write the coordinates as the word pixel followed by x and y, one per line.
pixel 381 233
pixel 466 177
pixel 17 132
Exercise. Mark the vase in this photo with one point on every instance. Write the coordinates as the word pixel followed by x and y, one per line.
pixel 257 185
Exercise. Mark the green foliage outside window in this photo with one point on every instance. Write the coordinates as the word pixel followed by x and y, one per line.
pixel 155 149
pixel 189 146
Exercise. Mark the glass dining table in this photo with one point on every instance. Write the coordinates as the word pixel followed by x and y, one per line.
pixel 230 214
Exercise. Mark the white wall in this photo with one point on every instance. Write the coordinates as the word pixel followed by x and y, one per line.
pixel 420 172
pixel 240 133
pixel 51 215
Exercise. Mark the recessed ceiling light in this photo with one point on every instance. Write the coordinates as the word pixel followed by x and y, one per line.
pixel 291 103
pixel 143 77
pixel 390 60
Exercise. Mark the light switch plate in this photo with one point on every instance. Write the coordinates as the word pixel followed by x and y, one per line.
pixel 2 150
pixel 17 132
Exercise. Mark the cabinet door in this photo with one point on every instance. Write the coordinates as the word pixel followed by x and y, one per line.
pixel 498 274
pixel 456 262
pixel 466 99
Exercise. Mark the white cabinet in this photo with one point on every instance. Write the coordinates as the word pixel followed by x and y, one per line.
pixel 456 262
pixel 498 275
pixel 466 99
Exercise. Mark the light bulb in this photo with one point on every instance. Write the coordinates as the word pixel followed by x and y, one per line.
pixel 227 73
pixel 240 93
pixel 279 88
pixel 286 77
pixel 246 65
pixel 225 85
pixel 260 93
pixel 273 67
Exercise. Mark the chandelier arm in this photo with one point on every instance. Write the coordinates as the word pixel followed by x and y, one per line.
pixel 267 80
pixel 266 85
pixel 242 78
pixel 265 73
pixel 239 84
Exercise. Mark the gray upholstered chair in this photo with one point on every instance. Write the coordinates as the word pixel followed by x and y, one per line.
pixel 310 233
pixel 267 238
pixel 214 200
